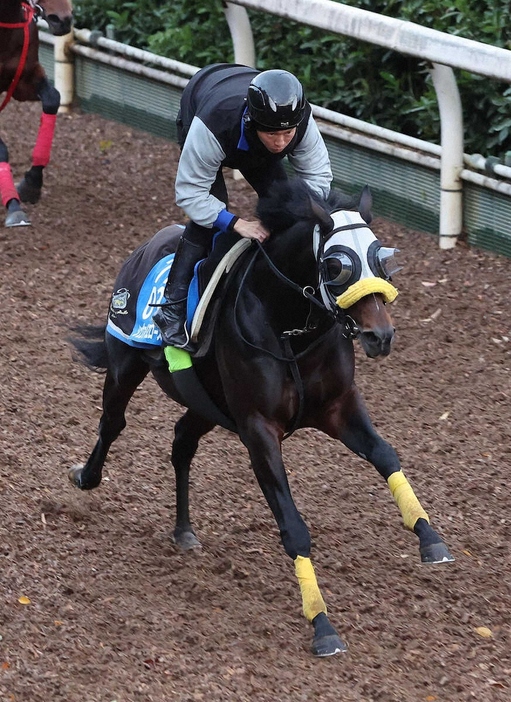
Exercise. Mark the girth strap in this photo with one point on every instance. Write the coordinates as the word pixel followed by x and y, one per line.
pixel 295 372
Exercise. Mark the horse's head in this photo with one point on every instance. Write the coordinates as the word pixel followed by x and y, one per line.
pixel 354 275
pixel 58 14
pixel 354 269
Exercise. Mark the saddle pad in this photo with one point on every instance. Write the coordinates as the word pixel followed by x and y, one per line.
pixel 139 286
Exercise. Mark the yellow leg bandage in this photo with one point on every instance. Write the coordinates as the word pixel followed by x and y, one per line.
pixel 411 509
pixel 312 599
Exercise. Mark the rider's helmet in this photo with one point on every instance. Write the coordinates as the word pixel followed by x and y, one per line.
pixel 275 100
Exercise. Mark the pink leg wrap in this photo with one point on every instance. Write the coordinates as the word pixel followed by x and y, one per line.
pixel 7 189
pixel 42 148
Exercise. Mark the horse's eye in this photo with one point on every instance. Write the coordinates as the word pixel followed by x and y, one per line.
pixel 339 269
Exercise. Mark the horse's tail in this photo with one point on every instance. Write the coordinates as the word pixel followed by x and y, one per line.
pixel 89 343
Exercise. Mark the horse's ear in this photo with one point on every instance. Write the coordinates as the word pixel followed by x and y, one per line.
pixel 365 205
pixel 326 223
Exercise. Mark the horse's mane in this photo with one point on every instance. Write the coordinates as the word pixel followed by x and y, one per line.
pixel 292 201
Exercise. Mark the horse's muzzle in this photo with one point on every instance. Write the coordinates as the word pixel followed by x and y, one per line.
pixel 376 342
pixel 59 25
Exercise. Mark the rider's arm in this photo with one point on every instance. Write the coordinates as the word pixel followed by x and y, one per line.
pixel 200 161
pixel 310 160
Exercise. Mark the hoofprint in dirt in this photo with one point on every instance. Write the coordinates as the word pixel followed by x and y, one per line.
pixel 96 603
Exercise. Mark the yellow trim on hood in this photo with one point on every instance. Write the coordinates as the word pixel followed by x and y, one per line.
pixel 364 287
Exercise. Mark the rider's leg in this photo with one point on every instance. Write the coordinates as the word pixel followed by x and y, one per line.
pixel 171 317
pixel 193 245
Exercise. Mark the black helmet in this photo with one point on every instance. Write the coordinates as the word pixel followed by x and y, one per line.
pixel 275 101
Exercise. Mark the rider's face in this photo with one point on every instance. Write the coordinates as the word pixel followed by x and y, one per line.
pixel 276 142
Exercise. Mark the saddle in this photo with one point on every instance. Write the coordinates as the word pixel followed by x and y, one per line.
pixel 140 286
pixel 206 289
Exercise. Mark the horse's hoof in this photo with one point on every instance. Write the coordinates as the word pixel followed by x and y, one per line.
pixel 17 218
pixel 436 553
pixel 326 641
pixel 324 646
pixel 75 476
pixel 28 192
pixel 187 541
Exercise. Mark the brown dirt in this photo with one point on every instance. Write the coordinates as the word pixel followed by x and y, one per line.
pixel 115 612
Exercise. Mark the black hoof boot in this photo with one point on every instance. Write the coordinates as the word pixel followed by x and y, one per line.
pixel 326 641
pixel 29 188
pixel 432 548
pixel 16 217
pixel 436 553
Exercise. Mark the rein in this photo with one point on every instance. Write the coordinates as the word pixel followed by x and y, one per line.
pixel 350 329
pixel 30 13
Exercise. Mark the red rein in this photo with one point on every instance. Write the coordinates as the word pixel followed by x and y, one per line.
pixel 25 25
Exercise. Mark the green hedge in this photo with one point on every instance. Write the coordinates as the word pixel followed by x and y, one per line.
pixel 356 78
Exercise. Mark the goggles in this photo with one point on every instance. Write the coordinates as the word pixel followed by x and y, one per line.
pixel 353 263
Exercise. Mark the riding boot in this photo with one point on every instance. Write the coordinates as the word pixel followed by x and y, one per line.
pixel 171 317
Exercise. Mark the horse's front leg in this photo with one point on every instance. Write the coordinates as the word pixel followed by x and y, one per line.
pixel 29 189
pixel 352 425
pixel 263 441
pixel 15 216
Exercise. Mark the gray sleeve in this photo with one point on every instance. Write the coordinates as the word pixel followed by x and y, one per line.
pixel 311 162
pixel 200 161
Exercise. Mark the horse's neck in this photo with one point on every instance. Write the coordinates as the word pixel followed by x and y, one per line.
pixel 292 259
pixel 292 254
pixel 10 11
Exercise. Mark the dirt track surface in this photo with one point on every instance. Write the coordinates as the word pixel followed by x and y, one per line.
pixel 115 613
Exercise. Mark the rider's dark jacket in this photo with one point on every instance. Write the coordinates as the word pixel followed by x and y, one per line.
pixel 213 133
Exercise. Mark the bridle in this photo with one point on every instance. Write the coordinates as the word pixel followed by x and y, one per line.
pixel 31 11
pixel 350 330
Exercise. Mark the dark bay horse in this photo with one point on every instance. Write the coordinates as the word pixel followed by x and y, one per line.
pixel 23 78
pixel 281 357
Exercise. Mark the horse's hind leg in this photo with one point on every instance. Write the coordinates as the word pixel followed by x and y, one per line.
pixel 15 217
pixel 355 430
pixel 117 392
pixel 187 433
pixel 29 189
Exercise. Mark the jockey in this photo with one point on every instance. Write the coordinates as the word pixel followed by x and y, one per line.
pixel 237 117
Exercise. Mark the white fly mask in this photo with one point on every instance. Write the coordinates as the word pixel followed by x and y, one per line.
pixel 352 262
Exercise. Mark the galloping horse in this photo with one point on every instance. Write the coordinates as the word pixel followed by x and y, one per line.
pixel 23 78
pixel 281 357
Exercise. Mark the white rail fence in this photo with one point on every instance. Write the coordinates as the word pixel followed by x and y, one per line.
pixel 443 51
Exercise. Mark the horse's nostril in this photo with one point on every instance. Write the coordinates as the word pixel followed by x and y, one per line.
pixel 372 338
pixel 55 19
pixel 59 25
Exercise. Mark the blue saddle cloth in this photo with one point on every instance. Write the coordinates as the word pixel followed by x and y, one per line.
pixel 139 289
